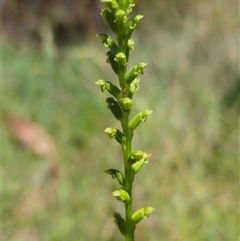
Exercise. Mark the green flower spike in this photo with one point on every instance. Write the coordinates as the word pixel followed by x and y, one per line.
pixel 141 213
pixel 138 118
pixel 116 174
pixel 114 133
pixel 120 46
pixel 121 195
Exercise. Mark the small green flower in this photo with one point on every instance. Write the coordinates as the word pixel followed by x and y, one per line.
pixel 135 21
pixel 137 159
pixel 138 165
pixel 130 45
pixel 116 174
pixel 135 85
pixel 121 195
pixel 135 71
pixel 108 86
pixel 121 59
pixel 126 104
pixel 114 133
pixel 109 42
pixel 120 17
pixel 141 213
pixel 138 118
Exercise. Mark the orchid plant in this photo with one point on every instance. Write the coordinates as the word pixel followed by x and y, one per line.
pixel 116 15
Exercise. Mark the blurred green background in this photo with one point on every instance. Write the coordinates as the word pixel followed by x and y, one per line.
pixel 50 61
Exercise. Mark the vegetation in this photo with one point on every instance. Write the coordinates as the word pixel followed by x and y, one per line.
pixel 116 15
pixel 192 182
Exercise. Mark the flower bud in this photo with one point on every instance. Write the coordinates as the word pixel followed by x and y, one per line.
pixel 135 71
pixel 114 133
pixel 138 118
pixel 121 195
pixel 116 174
pixel 141 213
pixel 108 86
pixel 114 107
pixel 126 104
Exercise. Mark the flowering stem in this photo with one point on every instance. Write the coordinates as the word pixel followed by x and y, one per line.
pixel 116 16
pixel 126 148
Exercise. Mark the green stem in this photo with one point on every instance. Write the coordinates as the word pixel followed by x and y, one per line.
pixel 126 147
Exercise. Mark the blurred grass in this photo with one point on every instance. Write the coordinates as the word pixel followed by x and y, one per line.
pixel 191 179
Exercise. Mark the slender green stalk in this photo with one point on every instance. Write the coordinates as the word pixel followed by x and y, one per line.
pixel 126 148
pixel 120 104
